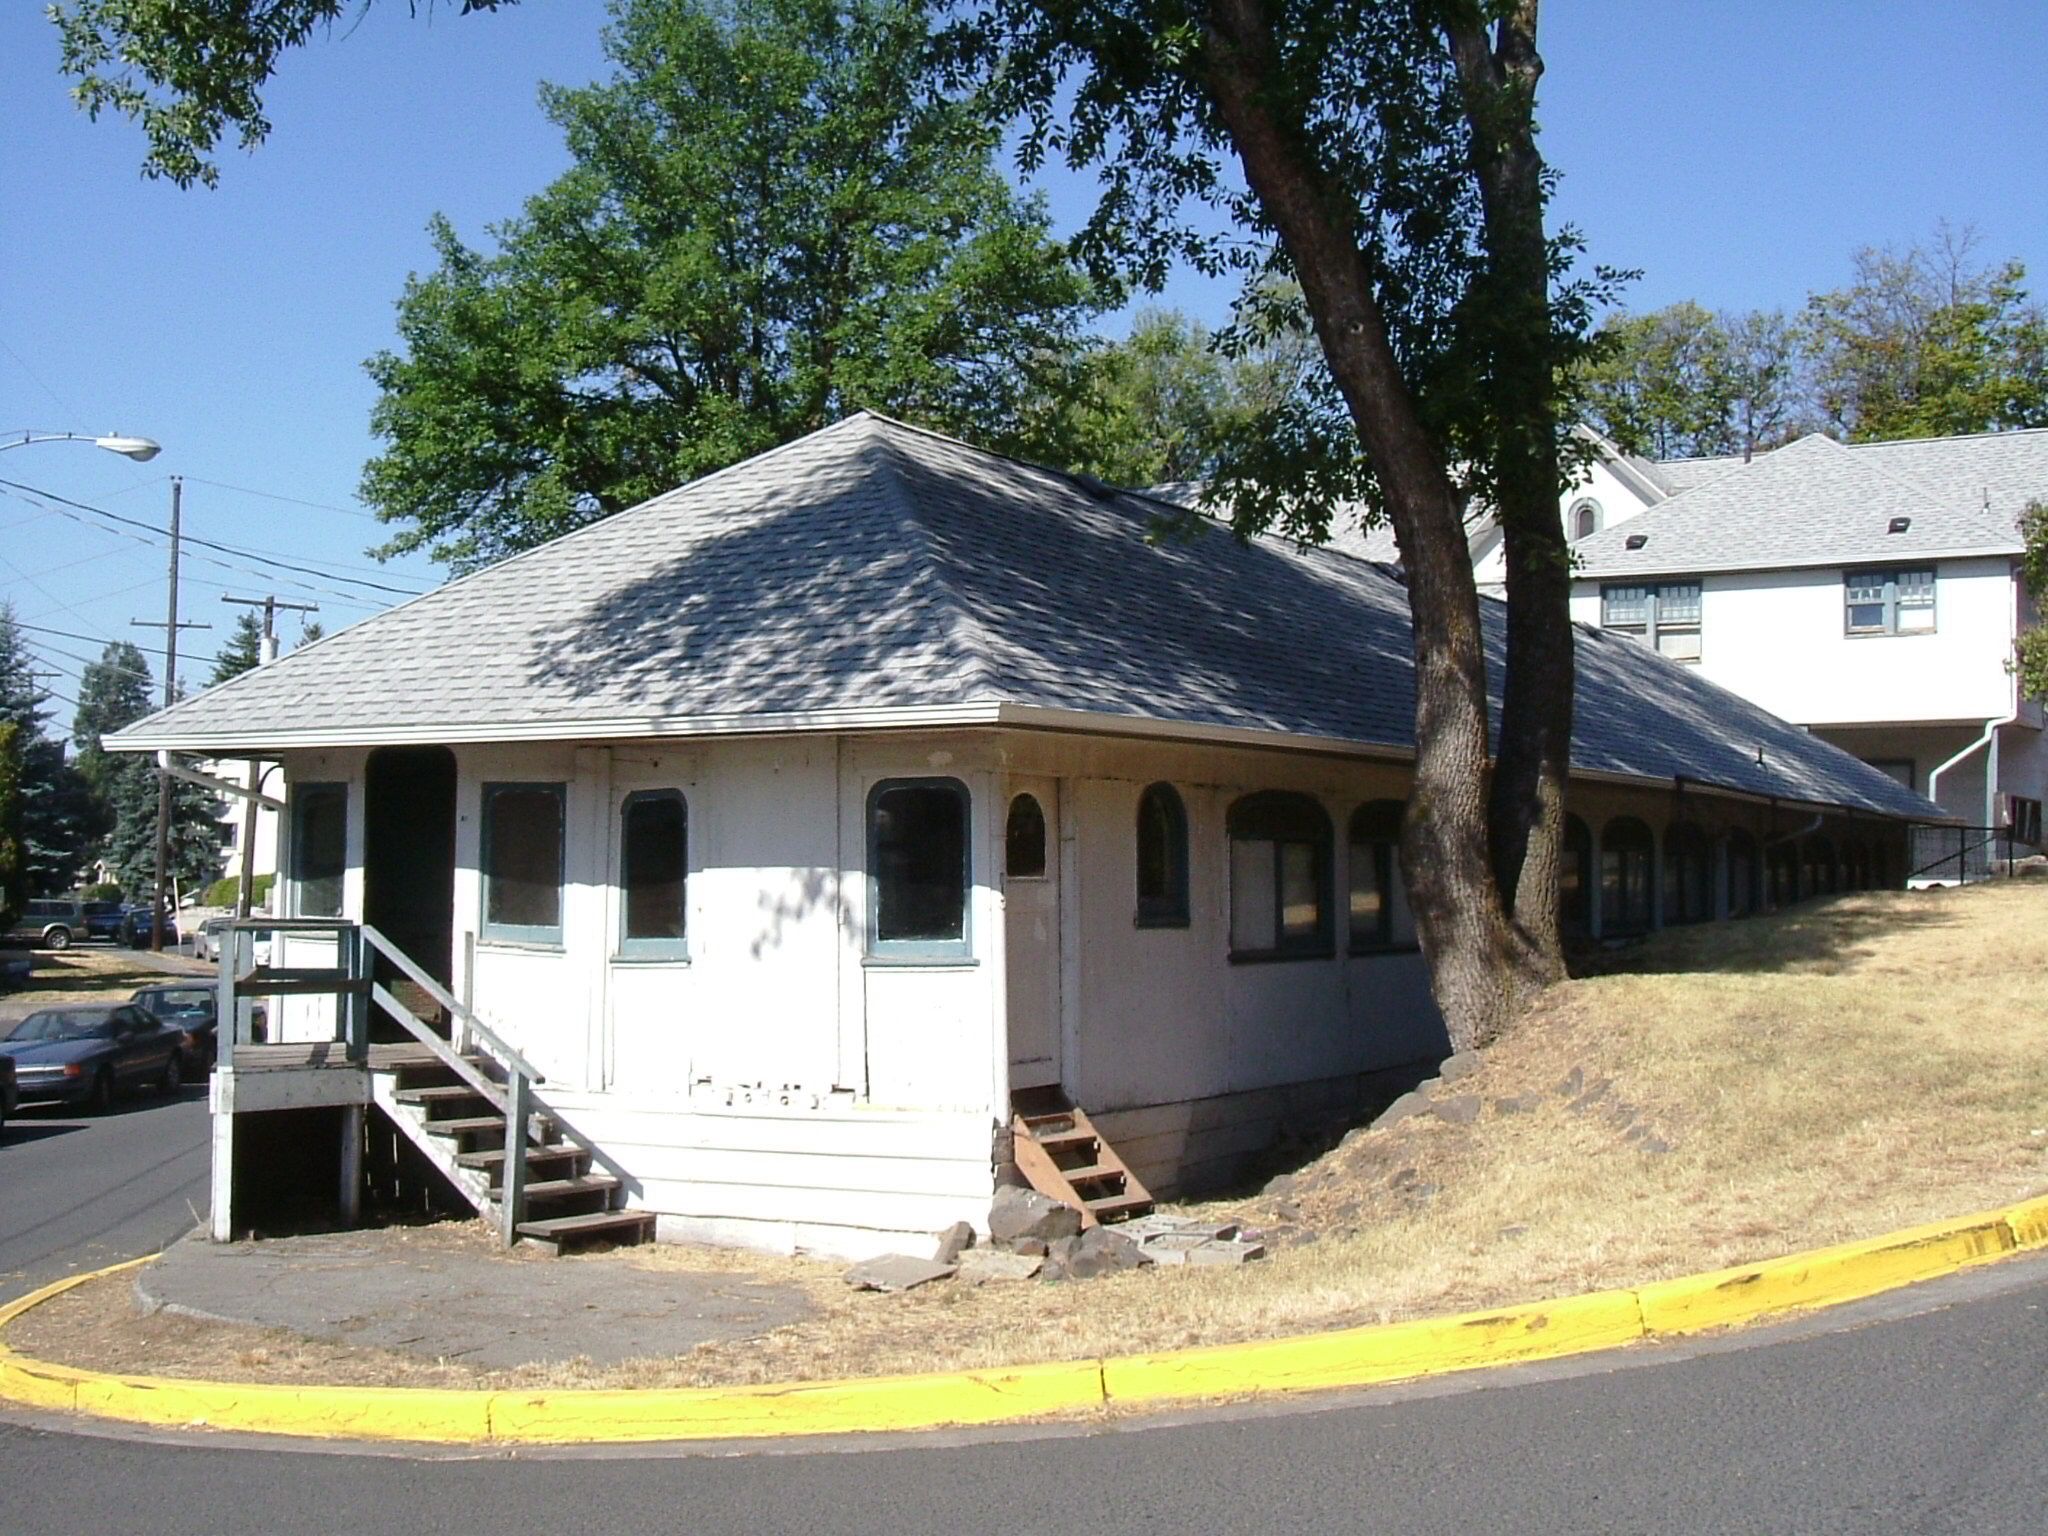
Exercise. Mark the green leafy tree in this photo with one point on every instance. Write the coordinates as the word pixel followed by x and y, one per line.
pixel 1169 402
pixel 13 864
pixel 59 818
pixel 1389 170
pixel 1681 382
pixel 189 70
pixel 774 215
pixel 2030 658
pixel 243 651
pixel 1928 342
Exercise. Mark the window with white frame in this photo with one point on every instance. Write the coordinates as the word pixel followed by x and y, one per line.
pixel 654 862
pixel 522 858
pixel 1663 615
pixel 1889 602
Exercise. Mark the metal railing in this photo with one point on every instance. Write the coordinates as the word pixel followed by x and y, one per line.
pixel 1958 855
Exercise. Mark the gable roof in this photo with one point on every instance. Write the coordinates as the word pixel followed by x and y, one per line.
pixel 876 575
pixel 1812 502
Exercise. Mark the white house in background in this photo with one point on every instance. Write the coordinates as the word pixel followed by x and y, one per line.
pixel 792 822
pixel 245 826
pixel 1870 593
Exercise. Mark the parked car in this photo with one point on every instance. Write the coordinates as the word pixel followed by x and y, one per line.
pixel 135 928
pixel 195 1010
pixel 47 924
pixel 104 920
pixel 206 944
pixel 84 1055
pixel 9 1094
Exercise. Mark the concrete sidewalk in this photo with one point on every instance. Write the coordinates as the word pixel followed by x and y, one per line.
pixel 445 1293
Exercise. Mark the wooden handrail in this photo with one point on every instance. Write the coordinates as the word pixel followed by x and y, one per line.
pixel 440 994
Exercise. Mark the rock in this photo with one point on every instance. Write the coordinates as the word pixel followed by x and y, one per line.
pixel 1520 1104
pixel 1226 1253
pixel 1027 1247
pixel 1455 1069
pixel 1572 1084
pixel 1405 1107
pixel 1459 1109
pixel 1591 1096
pixel 1102 1251
pixel 953 1242
pixel 895 1272
pixel 1026 1213
pixel 1655 1145
pixel 1283 1185
pixel 980 1266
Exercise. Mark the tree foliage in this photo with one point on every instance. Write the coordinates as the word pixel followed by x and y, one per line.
pixel 774 215
pixel 243 651
pixel 1390 177
pixel 1925 342
pixel 13 865
pixel 2030 657
pixel 188 71
pixel 1682 382
pixel 58 822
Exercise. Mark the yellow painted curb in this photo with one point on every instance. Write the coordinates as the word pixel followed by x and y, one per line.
pixel 1354 1357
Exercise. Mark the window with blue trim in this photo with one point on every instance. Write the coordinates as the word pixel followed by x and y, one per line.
pixel 1162 858
pixel 917 869
pixel 522 859
pixel 654 863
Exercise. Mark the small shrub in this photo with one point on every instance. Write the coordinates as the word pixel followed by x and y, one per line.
pixel 106 890
pixel 224 893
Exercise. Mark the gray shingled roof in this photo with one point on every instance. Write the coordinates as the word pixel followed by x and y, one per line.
pixel 1812 502
pixel 874 574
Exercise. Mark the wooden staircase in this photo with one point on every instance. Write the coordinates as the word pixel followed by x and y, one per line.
pixel 1062 1155
pixel 564 1202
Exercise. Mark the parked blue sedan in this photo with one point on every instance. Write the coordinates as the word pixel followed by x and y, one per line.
pixel 86 1054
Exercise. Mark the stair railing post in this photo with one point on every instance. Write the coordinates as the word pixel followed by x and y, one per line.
pixel 355 1003
pixel 512 1186
pixel 463 1037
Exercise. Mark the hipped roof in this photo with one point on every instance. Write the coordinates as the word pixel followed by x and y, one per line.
pixel 874 575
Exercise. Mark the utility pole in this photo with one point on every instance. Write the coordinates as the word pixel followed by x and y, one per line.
pixel 245 886
pixel 270 605
pixel 163 779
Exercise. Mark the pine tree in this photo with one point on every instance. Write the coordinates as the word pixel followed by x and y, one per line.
pixel 57 825
pixel 243 651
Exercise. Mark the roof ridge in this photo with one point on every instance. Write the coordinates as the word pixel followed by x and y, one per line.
pixel 963 625
pixel 1959 503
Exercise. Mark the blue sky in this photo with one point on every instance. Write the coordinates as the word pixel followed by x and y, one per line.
pixel 1736 152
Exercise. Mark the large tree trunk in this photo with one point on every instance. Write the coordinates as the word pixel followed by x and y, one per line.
pixel 1527 809
pixel 1444 853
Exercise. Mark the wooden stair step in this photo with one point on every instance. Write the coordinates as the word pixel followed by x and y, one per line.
pixel 560 1229
pixel 493 1158
pixel 1066 1140
pixel 439 1093
pixel 580 1184
pixel 1092 1173
pixel 1116 1207
pixel 475 1125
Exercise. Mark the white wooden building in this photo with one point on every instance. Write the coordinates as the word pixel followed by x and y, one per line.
pixel 790 823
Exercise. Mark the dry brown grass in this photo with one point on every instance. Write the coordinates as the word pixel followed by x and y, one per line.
pixel 1721 1095
pixel 82 976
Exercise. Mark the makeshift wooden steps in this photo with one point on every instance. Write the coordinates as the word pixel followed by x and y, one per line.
pixel 1062 1155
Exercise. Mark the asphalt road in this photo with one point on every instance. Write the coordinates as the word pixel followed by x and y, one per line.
pixel 1912 1415
pixel 78 1191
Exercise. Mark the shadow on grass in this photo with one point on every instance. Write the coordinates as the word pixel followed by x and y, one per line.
pixel 1824 936
pixel 72 976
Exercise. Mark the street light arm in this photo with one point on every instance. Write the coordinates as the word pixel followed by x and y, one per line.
pixel 140 449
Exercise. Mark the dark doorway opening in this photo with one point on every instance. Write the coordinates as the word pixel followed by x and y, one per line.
pixel 409 870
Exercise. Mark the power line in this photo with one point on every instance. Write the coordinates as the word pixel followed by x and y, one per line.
pixel 30 491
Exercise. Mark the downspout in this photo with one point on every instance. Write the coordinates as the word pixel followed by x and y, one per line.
pixel 1988 739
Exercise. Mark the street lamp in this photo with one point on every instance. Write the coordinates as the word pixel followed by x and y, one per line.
pixel 140 449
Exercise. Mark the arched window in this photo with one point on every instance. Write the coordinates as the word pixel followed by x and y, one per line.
pixel 1585 518
pixel 1575 879
pixel 654 861
pixel 1279 877
pixel 1688 874
pixel 1162 859
pixel 1627 851
pixel 1024 840
pixel 917 869
pixel 1379 902
pixel 1743 896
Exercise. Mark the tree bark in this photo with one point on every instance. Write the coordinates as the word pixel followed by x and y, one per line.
pixel 1526 812
pixel 1460 920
